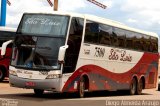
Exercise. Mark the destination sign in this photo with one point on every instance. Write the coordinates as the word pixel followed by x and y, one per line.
pixel 42 21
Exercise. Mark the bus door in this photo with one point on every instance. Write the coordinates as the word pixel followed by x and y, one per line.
pixel 74 43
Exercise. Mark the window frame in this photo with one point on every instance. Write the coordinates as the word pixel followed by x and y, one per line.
pixel 135 37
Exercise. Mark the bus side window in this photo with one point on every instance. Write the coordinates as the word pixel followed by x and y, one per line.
pixel 144 43
pixel 114 39
pixel 105 34
pixel 154 42
pixel 147 45
pixel 74 43
pixel 129 40
pixel 137 41
pixel 121 35
pixel 91 32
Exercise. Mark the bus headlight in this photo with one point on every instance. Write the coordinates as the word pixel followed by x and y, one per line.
pixel 54 76
pixel 11 72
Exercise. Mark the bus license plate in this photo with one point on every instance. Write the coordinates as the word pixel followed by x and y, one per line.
pixel 30 84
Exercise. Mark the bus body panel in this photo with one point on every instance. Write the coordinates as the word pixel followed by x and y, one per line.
pixel 102 79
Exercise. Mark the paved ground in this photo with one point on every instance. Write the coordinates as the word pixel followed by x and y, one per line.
pixel 22 97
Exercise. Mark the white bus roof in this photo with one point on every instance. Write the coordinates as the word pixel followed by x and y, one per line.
pixel 8 29
pixel 105 21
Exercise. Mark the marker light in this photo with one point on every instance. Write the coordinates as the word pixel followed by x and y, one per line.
pixel 11 72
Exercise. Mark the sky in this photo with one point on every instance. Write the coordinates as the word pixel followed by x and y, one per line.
pixel 141 14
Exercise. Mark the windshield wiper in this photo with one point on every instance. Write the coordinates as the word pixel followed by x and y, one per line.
pixel 27 45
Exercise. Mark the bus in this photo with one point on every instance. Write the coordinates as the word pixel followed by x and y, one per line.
pixel 6 35
pixel 78 53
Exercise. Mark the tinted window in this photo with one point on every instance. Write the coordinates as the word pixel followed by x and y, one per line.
pixel 145 43
pixel 121 37
pixel 137 41
pixel 129 39
pixel 47 50
pixel 154 44
pixel 74 43
pixel 91 32
pixel 105 34
pixel 108 35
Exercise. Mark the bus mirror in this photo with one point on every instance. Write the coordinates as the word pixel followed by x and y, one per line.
pixel 62 52
pixel 4 47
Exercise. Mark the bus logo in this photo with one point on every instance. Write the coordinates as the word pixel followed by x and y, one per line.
pixel 119 55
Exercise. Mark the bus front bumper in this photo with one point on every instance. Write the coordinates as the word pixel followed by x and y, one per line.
pixel 46 84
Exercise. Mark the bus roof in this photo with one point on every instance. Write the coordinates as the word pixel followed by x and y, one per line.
pixel 7 29
pixel 105 21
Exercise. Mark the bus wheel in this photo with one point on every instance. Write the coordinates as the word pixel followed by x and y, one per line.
pixel 38 92
pixel 2 75
pixel 133 86
pixel 81 89
pixel 139 87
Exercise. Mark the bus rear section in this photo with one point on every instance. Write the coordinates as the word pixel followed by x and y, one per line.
pixel 64 52
pixel 6 34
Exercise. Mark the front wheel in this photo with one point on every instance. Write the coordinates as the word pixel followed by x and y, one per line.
pixel 2 75
pixel 133 86
pixel 81 89
pixel 38 92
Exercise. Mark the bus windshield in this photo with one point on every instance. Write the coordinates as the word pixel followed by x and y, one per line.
pixel 38 40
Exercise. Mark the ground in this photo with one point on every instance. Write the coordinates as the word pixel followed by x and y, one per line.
pixel 10 96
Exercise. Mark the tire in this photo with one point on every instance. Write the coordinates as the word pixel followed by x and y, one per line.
pixel 81 90
pixel 133 87
pixel 139 87
pixel 38 92
pixel 2 75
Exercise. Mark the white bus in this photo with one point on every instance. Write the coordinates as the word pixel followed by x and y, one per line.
pixel 69 52
pixel 6 34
